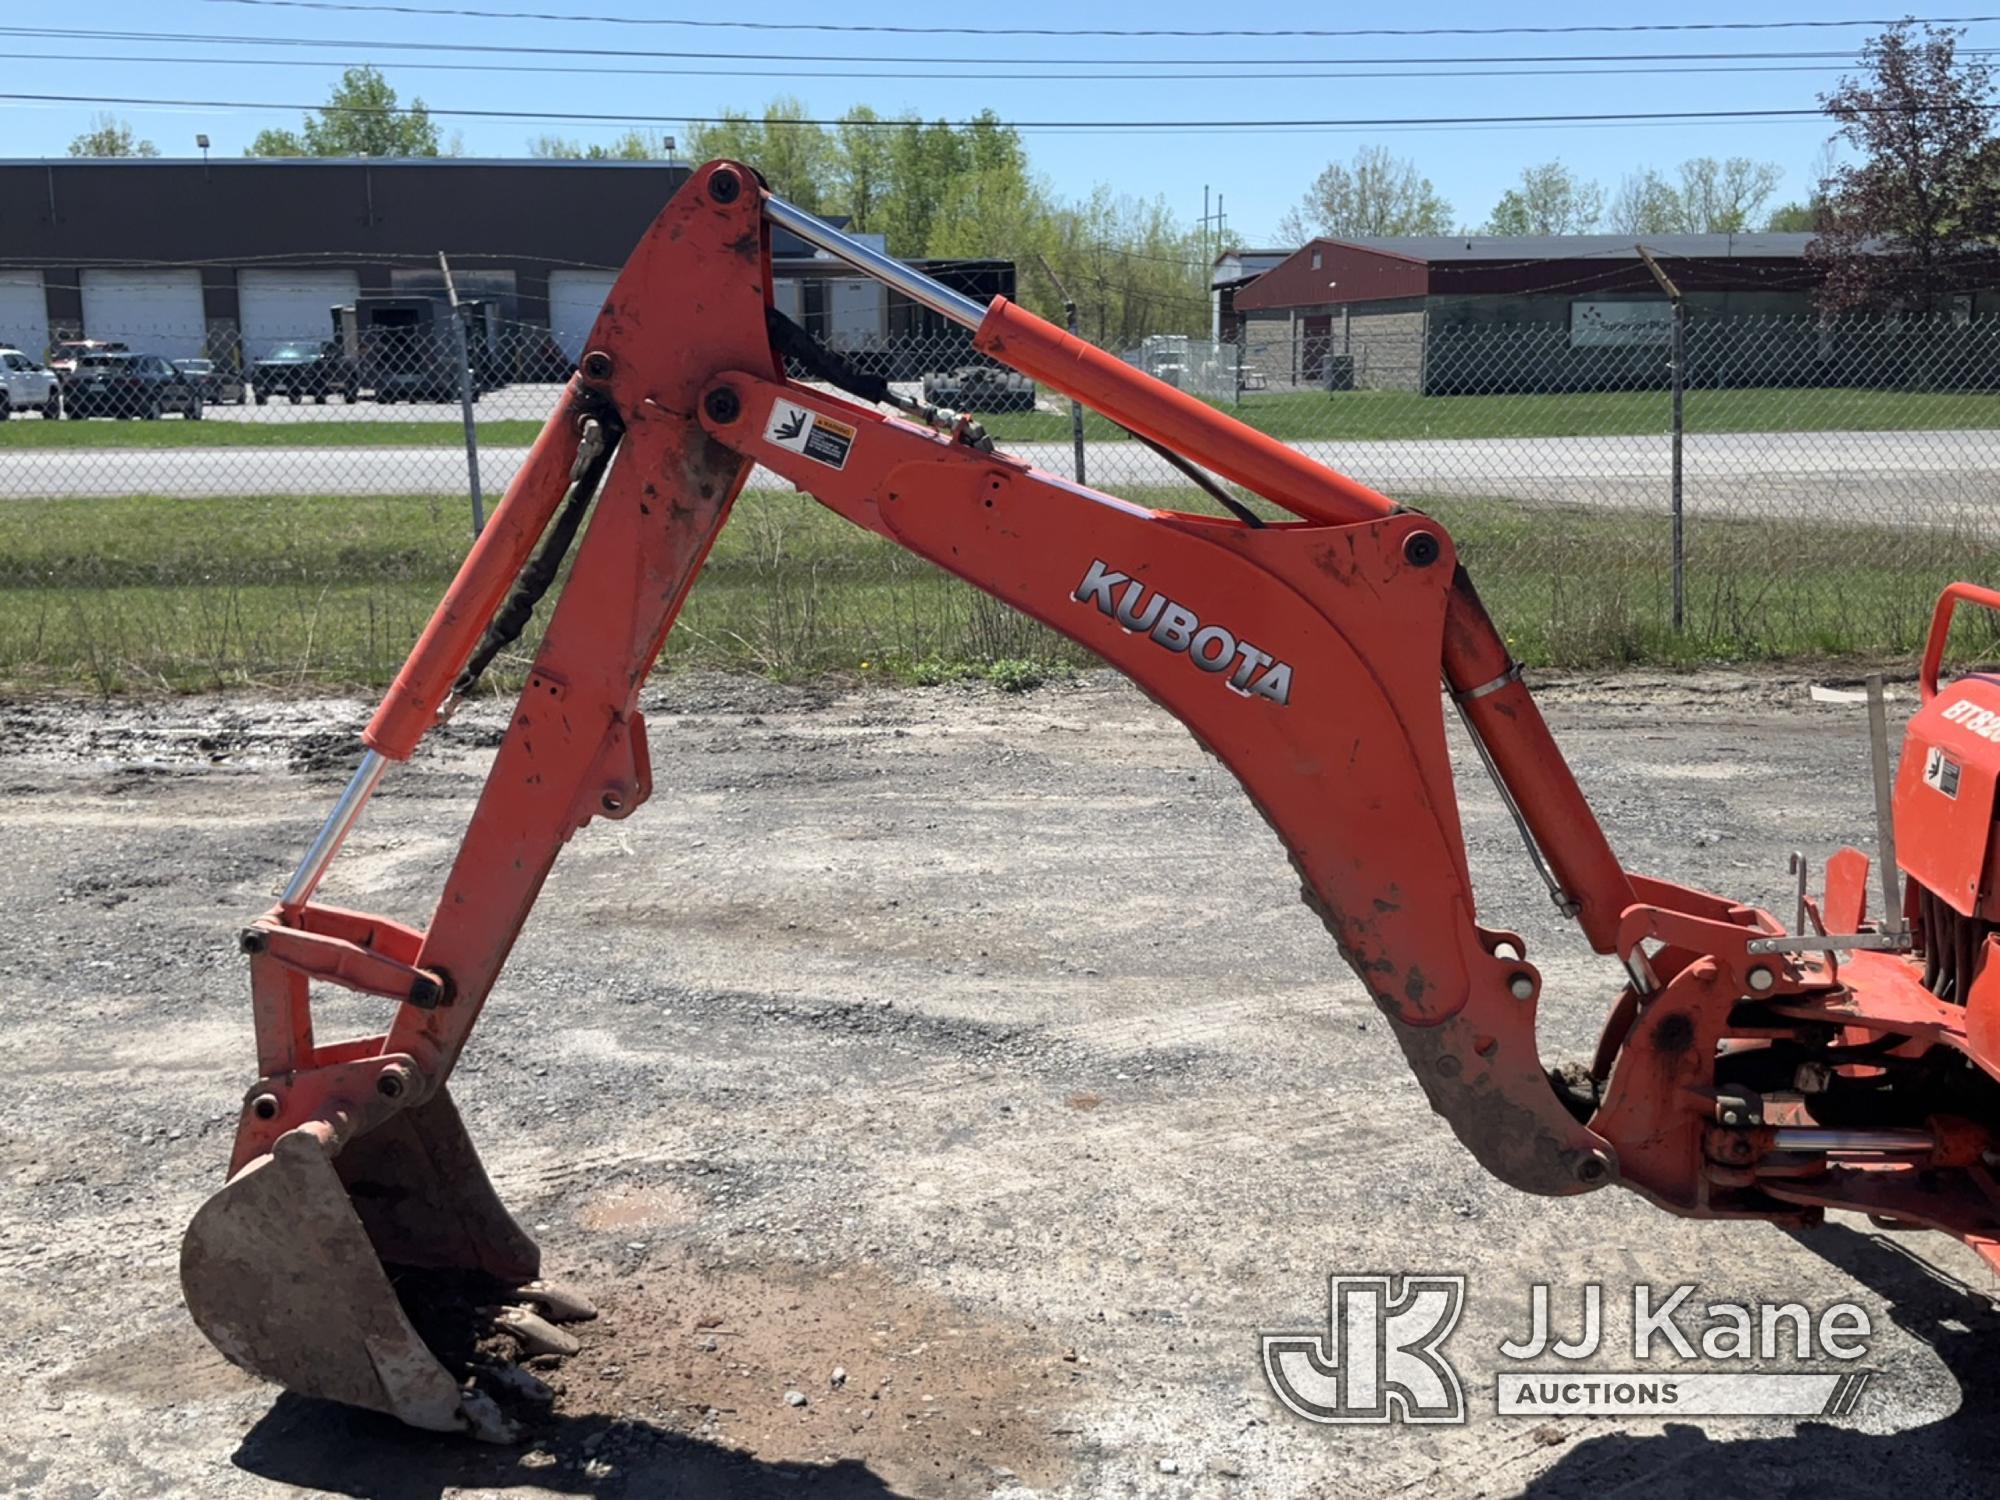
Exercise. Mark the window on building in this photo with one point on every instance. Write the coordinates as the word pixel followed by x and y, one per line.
pixel 1316 260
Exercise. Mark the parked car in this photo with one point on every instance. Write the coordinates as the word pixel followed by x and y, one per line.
pixel 305 368
pixel 130 385
pixel 219 386
pixel 980 388
pixel 64 354
pixel 26 386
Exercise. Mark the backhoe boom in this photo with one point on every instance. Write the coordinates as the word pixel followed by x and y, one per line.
pixel 1307 655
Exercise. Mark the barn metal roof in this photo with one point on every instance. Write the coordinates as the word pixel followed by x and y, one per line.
pixel 1468 247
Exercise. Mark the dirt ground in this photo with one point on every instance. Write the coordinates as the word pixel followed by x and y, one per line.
pixel 975 1045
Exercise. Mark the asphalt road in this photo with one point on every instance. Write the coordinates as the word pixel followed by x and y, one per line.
pixel 1914 477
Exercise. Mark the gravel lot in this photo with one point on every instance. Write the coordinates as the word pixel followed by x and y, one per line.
pixel 977 1045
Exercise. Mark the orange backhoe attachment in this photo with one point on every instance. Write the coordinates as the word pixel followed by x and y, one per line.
pixel 357 1250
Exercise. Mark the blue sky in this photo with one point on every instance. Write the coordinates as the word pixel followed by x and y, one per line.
pixel 1260 174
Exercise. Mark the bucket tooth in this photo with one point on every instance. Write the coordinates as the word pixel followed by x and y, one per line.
pixel 534 1333
pixel 557 1302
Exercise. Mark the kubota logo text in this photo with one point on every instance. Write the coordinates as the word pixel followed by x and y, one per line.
pixel 1177 628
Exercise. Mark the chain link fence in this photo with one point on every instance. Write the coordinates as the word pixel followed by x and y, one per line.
pixel 1831 477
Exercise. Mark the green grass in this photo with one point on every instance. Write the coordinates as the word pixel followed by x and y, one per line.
pixel 116 594
pixel 1294 415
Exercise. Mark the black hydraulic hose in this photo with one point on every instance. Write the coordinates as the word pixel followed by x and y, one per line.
pixel 534 580
pixel 795 343
pixel 1207 482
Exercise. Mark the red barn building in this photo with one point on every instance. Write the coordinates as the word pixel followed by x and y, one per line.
pixel 1432 313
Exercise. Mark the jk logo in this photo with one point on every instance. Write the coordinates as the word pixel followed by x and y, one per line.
pixel 1378 1360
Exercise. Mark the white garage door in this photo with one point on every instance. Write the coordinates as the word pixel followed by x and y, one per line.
pixel 153 312
pixel 860 310
pixel 24 313
pixel 575 299
pixel 276 307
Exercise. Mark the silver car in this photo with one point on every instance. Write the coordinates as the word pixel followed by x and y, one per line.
pixel 26 385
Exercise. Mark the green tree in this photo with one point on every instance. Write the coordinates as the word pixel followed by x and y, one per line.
pixel 361 117
pixel 932 188
pixel 795 158
pixel 861 171
pixel 1133 268
pixel 110 136
pixel 1723 197
pixel 1914 218
pixel 633 145
pixel 1645 203
pixel 1795 217
pixel 272 141
pixel 1550 199
pixel 1711 197
pixel 1377 194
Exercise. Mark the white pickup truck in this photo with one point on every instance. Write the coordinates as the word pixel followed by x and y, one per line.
pixel 26 386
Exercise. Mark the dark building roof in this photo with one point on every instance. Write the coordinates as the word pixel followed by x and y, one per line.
pixel 429 163
pixel 301 210
pixel 152 211
pixel 1399 266
pixel 1463 247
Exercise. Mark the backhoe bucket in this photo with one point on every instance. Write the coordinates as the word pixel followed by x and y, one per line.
pixel 294 1268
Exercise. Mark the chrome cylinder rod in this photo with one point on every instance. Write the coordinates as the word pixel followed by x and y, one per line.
pixel 913 284
pixel 333 832
pixel 1807 1138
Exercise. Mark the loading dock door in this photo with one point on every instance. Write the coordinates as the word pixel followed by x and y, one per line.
pixel 281 306
pixel 151 312
pixel 860 310
pixel 24 313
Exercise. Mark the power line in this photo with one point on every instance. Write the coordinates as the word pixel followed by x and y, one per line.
pixel 1169 126
pixel 765 72
pixel 238 39
pixel 376 7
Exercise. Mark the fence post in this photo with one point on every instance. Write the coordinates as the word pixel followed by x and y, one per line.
pixel 465 398
pixel 1075 407
pixel 1677 375
pixel 1239 362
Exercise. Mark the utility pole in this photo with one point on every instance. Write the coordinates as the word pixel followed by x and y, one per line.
pixel 1213 225
pixel 1678 374
pixel 1213 222
pixel 1069 319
